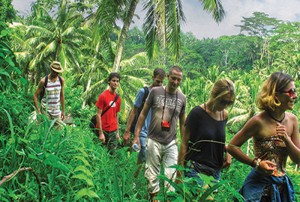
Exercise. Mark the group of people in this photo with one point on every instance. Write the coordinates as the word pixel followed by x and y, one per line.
pixel 203 149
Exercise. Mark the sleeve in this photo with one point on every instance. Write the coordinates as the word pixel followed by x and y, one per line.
pixel 183 106
pixel 149 99
pixel 100 102
pixel 139 98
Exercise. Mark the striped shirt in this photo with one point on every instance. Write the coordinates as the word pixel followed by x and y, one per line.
pixel 51 99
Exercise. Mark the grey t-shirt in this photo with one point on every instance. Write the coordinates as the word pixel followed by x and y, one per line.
pixel 157 98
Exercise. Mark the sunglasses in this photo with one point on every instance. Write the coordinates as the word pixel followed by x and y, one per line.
pixel 226 102
pixel 291 93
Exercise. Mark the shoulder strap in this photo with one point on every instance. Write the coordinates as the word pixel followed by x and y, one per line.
pixel 46 81
pixel 116 98
pixel 60 80
pixel 42 93
pixel 146 89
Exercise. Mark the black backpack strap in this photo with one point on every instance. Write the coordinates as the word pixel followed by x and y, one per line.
pixel 60 80
pixel 116 98
pixel 46 81
pixel 42 93
pixel 146 89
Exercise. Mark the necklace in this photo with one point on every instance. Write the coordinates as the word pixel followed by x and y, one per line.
pixel 272 117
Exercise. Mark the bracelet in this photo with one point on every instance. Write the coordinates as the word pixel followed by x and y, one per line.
pixel 253 162
pixel 257 163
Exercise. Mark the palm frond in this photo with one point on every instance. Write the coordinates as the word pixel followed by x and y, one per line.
pixel 215 7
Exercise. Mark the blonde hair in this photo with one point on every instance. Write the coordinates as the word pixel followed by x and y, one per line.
pixel 222 87
pixel 275 83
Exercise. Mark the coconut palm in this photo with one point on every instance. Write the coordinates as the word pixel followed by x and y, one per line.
pixel 55 36
pixel 161 26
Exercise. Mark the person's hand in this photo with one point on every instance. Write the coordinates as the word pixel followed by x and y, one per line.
pixel 126 137
pixel 62 115
pixel 267 167
pixel 136 140
pixel 281 132
pixel 227 161
pixel 102 137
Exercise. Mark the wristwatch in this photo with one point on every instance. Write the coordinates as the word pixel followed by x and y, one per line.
pixel 257 163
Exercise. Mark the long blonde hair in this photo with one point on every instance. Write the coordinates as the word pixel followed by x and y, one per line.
pixel 221 88
pixel 266 97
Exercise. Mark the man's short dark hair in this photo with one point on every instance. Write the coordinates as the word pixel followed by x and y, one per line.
pixel 112 75
pixel 159 72
pixel 177 68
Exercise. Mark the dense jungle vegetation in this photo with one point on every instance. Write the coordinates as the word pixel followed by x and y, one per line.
pixel 40 163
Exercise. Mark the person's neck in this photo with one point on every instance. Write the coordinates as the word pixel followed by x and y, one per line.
pixel 170 91
pixel 209 106
pixel 277 115
pixel 112 90
pixel 53 76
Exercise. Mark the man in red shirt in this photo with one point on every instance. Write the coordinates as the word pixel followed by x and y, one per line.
pixel 109 104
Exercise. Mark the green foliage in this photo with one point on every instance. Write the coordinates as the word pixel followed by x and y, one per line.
pixel 7 12
pixel 71 164
pixel 8 72
pixel 188 189
pixel 260 24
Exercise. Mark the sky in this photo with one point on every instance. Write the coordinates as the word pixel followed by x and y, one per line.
pixel 202 25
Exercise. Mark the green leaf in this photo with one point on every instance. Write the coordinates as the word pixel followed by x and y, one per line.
pixel 4 72
pixel 84 170
pixel 31 156
pixel 211 190
pixel 21 153
pixel 86 163
pixel 54 161
pixel 85 192
pixel 85 178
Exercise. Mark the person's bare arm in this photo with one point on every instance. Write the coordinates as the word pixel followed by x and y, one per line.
pixel 126 135
pixel 184 145
pixel 37 93
pixel 181 124
pixel 99 124
pixel 140 123
pixel 62 99
pixel 183 150
pixel 251 128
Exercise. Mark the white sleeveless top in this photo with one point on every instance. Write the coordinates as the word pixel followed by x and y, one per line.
pixel 51 99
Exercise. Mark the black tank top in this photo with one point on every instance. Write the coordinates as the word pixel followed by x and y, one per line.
pixel 203 130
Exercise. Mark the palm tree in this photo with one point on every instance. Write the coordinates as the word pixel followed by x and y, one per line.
pixel 162 24
pixel 55 37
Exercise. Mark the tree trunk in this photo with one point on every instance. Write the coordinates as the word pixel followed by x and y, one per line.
pixel 88 85
pixel 123 35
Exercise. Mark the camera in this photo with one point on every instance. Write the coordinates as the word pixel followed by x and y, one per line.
pixel 165 125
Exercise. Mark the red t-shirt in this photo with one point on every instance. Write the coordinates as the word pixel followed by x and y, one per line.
pixel 109 119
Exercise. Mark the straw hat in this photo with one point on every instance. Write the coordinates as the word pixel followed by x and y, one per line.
pixel 56 66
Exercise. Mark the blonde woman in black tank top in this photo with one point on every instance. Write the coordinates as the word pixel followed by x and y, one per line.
pixel 203 142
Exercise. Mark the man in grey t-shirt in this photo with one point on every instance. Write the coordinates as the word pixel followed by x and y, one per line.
pixel 168 106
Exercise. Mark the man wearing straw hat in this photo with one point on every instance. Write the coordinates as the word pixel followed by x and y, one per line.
pixel 50 91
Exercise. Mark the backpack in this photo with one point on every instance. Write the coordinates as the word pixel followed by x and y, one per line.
pixel 93 121
pixel 42 93
pixel 133 124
